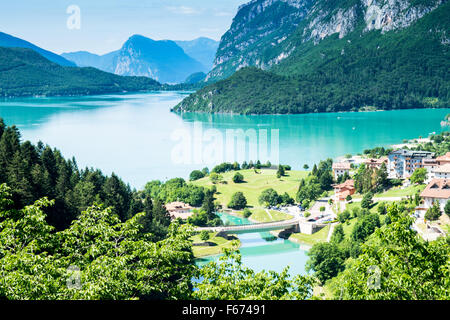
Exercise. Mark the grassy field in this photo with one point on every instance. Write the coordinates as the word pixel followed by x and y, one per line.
pixel 254 184
pixel 311 239
pixel 202 251
pixel 397 192
pixel 260 215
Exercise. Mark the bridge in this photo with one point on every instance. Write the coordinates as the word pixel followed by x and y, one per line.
pixel 297 224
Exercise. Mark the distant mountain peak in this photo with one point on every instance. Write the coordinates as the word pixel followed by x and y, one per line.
pixel 9 41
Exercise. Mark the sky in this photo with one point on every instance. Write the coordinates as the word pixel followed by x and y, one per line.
pixel 102 26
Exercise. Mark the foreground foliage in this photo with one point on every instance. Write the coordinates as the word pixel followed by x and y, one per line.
pixel 228 279
pixel 396 264
pixel 116 260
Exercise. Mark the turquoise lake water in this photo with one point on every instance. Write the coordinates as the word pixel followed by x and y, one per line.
pixel 262 251
pixel 136 136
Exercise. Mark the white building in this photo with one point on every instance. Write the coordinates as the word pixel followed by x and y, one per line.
pixel 340 168
pixel 442 172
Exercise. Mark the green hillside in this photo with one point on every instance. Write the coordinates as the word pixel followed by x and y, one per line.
pixel 24 72
pixel 401 68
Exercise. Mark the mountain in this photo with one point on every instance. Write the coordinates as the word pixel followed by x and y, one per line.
pixel 201 49
pixel 9 41
pixel 162 60
pixel 86 59
pixel 23 72
pixel 195 78
pixel 343 55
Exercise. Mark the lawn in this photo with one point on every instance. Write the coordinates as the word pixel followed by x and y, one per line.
pixel 311 239
pixel 254 184
pixel 203 251
pixel 260 215
pixel 397 192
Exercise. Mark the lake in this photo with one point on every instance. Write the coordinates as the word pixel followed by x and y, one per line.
pixel 262 251
pixel 135 135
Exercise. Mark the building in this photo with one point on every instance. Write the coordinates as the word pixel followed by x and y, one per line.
pixel 430 165
pixel 376 163
pixel 437 190
pixel 445 159
pixel 179 210
pixel 341 191
pixel 402 163
pixel 340 168
pixel 442 172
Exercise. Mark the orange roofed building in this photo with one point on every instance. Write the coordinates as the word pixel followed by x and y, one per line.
pixel 438 190
pixel 443 159
pixel 343 190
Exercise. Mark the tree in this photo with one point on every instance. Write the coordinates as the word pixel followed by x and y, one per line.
pixel 419 176
pixel 280 172
pixel 305 166
pixel 215 177
pixel 238 201
pixel 204 235
pixel 367 201
pixel 326 259
pixel 434 212
pixel 447 208
pixel 343 216
pixel 287 199
pixel 228 279
pixel 348 198
pixel 365 226
pixel 115 259
pixel 238 178
pixel 338 234
pixel 269 197
pixel 208 204
pixel 396 264
pixel 382 209
pixel 196 175
pixel 247 213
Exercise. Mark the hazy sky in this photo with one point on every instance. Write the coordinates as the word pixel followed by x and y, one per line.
pixel 106 24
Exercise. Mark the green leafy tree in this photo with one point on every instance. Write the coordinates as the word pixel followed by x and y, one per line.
pixel 196 175
pixel 238 201
pixel 238 178
pixel 434 212
pixel 247 213
pixel 338 234
pixel 204 235
pixel 115 259
pixel 269 197
pixel 447 208
pixel 326 259
pixel 397 265
pixel 228 279
pixel 343 216
pixel 419 176
pixel 367 200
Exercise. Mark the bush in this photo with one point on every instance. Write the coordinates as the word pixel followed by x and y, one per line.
pixel 247 213
pixel 238 177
